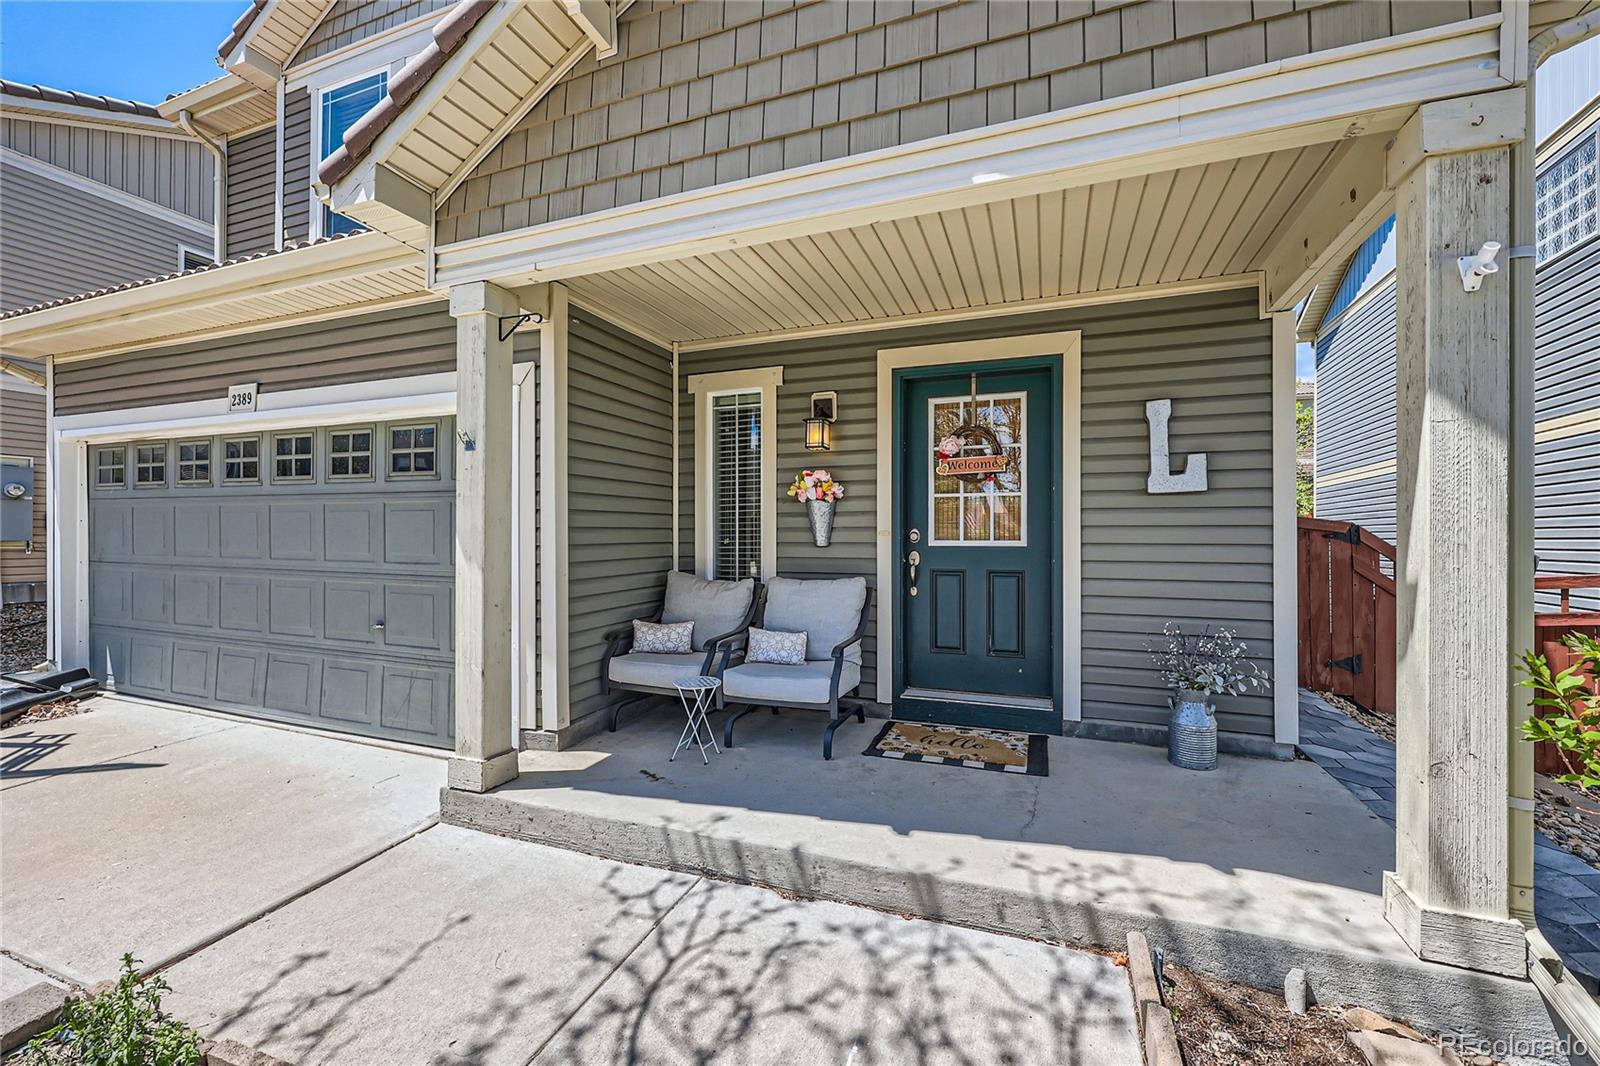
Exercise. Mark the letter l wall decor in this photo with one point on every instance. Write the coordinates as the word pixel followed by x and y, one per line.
pixel 1162 479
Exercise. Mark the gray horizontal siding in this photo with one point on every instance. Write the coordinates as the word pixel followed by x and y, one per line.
pixel 297 152
pixel 169 171
pixel 22 434
pixel 705 93
pixel 619 495
pixel 1355 415
pixel 1567 512
pixel 350 21
pixel 59 240
pixel 389 344
pixel 252 194
pixel 1201 559
pixel 1567 333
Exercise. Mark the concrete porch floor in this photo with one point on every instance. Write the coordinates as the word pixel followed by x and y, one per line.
pixel 1245 872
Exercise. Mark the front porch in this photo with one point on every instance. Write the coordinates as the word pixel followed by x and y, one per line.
pixel 1245 872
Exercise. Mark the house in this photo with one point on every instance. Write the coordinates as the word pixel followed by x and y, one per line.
pixel 399 480
pixel 1355 343
pixel 97 192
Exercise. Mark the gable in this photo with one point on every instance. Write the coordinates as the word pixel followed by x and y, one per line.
pixel 348 22
pixel 701 94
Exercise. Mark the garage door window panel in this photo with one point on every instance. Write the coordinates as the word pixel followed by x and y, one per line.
pixel 110 468
pixel 194 462
pixel 150 466
pixel 241 461
pixel 350 454
pixel 293 455
pixel 414 450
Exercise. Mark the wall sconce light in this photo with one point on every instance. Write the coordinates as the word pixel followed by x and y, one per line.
pixel 819 427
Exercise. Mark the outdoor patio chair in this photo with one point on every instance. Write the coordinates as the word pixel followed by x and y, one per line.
pixel 833 615
pixel 721 612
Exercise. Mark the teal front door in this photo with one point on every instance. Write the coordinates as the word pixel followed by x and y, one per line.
pixel 978 544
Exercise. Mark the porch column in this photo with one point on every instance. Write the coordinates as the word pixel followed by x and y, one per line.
pixel 485 756
pixel 1449 894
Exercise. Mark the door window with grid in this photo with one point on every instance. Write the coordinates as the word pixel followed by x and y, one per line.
pixel 736 485
pixel 991 510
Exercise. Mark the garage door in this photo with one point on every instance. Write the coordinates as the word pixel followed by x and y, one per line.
pixel 303 575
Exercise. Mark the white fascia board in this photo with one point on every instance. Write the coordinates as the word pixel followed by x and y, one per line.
pixel 93 117
pixel 1326 96
pixel 42 332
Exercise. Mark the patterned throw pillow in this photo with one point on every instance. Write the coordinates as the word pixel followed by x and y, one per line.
pixel 674 638
pixel 772 646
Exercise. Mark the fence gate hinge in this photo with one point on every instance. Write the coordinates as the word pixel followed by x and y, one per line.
pixel 1352 663
pixel 1349 536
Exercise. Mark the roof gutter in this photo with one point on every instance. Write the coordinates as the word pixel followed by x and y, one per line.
pixel 219 180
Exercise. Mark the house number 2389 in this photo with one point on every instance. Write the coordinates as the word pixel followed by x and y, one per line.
pixel 241 398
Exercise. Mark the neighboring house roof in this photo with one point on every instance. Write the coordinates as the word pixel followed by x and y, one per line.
pixel 448 33
pixel 45 94
pixel 82 296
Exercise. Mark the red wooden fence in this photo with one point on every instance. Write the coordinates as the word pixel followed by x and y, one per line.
pixel 1548 629
pixel 1347 613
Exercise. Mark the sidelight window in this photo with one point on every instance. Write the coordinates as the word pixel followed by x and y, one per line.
pixel 736 484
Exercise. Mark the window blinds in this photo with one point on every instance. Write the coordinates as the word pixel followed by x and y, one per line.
pixel 736 485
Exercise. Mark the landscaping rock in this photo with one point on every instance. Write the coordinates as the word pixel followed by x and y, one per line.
pixel 29 1013
pixel 1296 992
pixel 1360 1019
pixel 1385 1049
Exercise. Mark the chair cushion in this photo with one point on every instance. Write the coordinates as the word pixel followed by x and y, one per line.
pixel 771 646
pixel 672 638
pixel 715 607
pixel 788 686
pixel 654 669
pixel 827 610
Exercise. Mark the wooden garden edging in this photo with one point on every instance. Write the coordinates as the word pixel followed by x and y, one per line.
pixel 1347 613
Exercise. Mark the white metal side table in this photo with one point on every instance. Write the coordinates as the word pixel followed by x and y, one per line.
pixel 697 694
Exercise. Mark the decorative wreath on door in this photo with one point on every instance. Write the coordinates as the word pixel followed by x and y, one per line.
pixel 972 469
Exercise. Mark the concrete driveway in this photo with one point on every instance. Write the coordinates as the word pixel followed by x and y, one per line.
pixel 140 828
pixel 460 947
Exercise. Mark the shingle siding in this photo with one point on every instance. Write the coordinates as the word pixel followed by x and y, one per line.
pixel 705 93
pixel 169 171
pixel 252 193
pixel 1205 558
pixel 351 21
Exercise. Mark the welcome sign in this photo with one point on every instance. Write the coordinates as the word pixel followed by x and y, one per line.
pixel 971 464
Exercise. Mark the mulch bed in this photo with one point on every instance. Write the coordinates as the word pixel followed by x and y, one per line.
pixel 1220 1023
pixel 22 636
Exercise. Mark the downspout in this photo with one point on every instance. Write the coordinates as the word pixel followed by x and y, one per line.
pixel 219 181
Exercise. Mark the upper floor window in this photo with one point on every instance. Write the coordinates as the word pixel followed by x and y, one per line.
pixel 1565 209
pixel 341 107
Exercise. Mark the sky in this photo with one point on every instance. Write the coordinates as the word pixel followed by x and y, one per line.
pixel 134 49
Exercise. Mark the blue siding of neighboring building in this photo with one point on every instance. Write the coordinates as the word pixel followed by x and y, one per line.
pixel 1355 416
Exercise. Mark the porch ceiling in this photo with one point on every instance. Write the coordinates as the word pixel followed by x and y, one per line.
pixel 1193 224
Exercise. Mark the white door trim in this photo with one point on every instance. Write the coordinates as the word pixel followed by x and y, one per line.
pixel 705 388
pixel 1285 592
pixel 1068 347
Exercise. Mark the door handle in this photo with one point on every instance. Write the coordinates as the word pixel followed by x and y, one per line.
pixel 378 625
pixel 915 559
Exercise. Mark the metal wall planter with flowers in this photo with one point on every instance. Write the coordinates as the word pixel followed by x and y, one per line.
pixel 819 492
pixel 1195 666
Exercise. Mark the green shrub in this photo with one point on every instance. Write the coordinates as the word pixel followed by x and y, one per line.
pixel 122 1026
pixel 1572 710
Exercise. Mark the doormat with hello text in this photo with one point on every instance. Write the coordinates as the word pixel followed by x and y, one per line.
pixel 959 745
